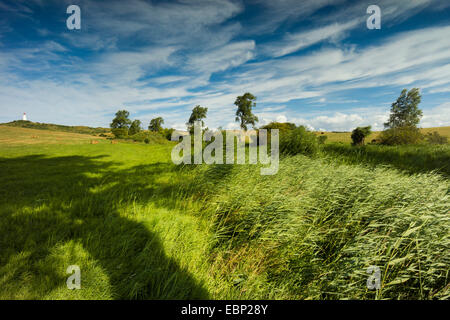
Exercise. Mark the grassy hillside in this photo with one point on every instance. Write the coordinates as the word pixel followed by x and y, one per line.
pixel 11 135
pixel 56 127
pixel 345 136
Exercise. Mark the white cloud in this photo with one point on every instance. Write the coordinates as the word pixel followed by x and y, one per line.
pixel 222 58
pixel 194 39
pixel 436 117
pixel 293 42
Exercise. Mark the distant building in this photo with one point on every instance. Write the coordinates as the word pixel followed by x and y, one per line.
pixel 24 117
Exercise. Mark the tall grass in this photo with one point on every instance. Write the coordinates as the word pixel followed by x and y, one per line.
pixel 311 231
pixel 410 158
pixel 141 228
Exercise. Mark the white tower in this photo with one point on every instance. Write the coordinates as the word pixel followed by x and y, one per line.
pixel 24 117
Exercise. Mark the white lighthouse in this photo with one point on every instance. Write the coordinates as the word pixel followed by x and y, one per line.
pixel 24 117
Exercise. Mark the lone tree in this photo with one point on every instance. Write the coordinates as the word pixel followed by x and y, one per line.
pixel 121 120
pixel 120 124
pixel 198 114
pixel 401 127
pixel 135 127
pixel 244 113
pixel 359 135
pixel 405 111
pixel 156 124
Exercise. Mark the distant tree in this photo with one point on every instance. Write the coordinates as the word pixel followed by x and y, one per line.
pixel 167 133
pixel 401 127
pixel 121 120
pixel 244 114
pixel 156 124
pixel 282 126
pixel 198 114
pixel 359 135
pixel 405 111
pixel 120 124
pixel 135 127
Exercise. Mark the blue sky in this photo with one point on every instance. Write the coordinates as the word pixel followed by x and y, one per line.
pixel 311 62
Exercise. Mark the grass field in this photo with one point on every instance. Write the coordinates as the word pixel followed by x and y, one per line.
pixel 140 227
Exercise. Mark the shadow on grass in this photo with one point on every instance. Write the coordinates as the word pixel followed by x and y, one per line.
pixel 46 202
pixel 412 159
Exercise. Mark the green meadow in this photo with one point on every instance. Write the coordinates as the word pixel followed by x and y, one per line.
pixel 140 227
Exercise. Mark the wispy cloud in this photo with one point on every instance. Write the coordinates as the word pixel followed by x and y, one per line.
pixel 164 58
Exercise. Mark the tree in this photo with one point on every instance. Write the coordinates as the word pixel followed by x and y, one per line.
pixel 405 111
pixel 135 127
pixel 198 114
pixel 156 124
pixel 244 113
pixel 282 126
pixel 401 127
pixel 121 120
pixel 359 135
pixel 167 133
pixel 120 124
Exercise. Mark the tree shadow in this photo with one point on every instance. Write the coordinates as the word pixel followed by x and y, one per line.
pixel 46 202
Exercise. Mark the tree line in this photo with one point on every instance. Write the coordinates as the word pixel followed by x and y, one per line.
pixel 122 126
pixel 401 127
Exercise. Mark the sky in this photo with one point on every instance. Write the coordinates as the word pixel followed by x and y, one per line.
pixel 311 62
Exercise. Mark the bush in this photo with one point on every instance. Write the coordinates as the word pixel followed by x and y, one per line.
pixel 401 135
pixel 322 139
pixel 359 135
pixel 282 126
pixel 120 133
pixel 299 141
pixel 146 140
pixel 435 138
pixel 152 137
pixel 167 133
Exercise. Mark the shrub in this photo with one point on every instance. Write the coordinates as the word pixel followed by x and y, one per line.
pixel 401 135
pixel 167 133
pixel 299 141
pixel 120 132
pixel 152 137
pixel 435 138
pixel 359 134
pixel 282 126
pixel 135 127
pixel 322 139
pixel 146 140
